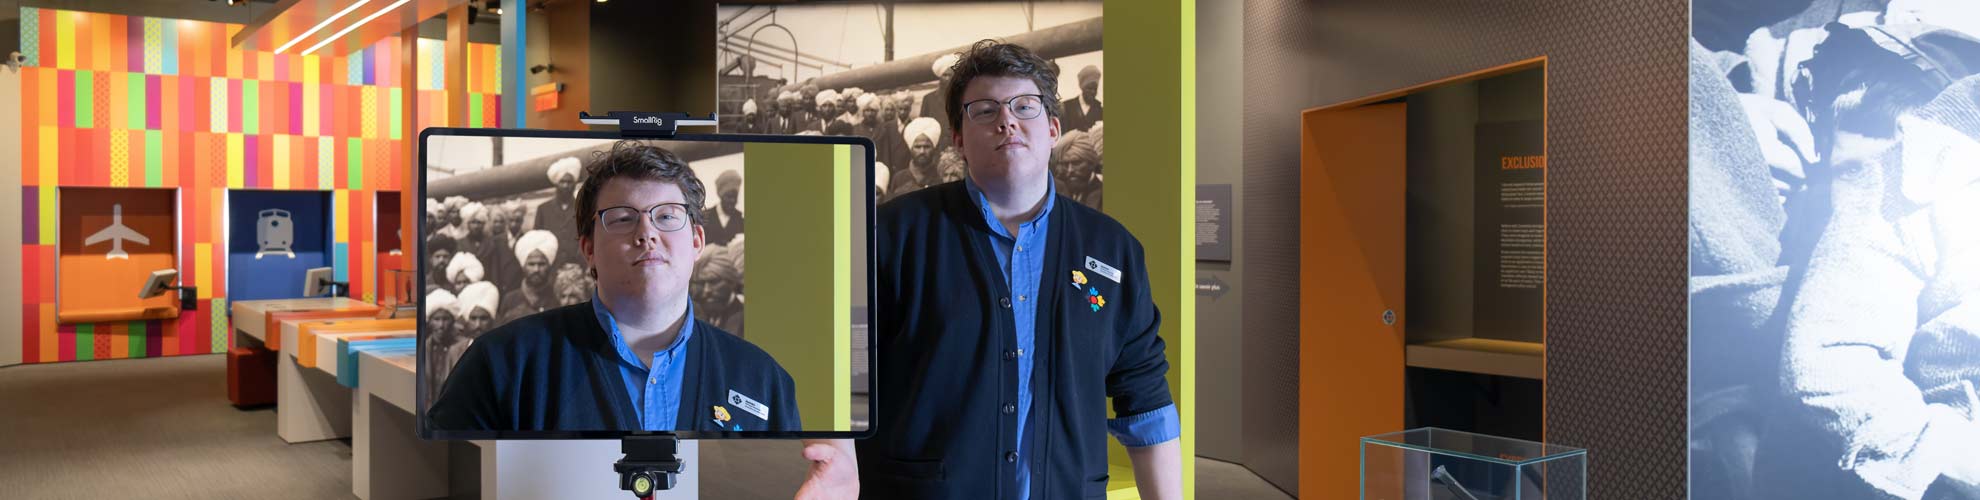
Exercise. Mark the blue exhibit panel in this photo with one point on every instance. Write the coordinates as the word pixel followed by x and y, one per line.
pixel 275 236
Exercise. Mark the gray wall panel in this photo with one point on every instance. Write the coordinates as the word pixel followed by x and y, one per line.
pixel 1278 51
pixel 1220 160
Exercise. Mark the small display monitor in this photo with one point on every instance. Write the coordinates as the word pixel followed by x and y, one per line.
pixel 160 281
pixel 316 282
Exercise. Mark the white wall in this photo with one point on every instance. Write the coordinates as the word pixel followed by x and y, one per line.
pixel 10 227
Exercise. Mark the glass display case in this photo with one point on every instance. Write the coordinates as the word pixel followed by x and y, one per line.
pixel 1442 464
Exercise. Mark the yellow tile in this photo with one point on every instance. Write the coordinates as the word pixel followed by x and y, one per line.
pixel 342 200
pixel 281 166
pixel 311 101
pixel 236 150
pixel 203 273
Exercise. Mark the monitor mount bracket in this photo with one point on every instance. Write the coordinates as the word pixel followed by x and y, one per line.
pixel 651 463
pixel 637 124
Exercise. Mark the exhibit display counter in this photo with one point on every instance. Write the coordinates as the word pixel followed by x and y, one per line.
pixel 1432 463
pixel 311 405
pixel 251 358
pixel 388 460
pixel 250 317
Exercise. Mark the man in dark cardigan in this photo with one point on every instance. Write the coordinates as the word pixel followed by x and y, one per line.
pixel 1009 315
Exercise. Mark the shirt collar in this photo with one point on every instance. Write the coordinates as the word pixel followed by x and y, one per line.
pixel 996 226
pixel 619 341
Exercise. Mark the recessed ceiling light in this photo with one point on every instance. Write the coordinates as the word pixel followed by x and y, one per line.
pixel 353 26
pixel 320 25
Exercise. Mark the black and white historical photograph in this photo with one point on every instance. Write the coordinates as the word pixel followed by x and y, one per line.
pixel 876 70
pixel 502 235
pixel 1835 249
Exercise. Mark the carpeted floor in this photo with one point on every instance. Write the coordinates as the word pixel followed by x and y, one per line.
pixel 162 429
pixel 155 428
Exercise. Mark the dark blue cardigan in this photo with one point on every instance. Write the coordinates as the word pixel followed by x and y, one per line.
pixel 558 371
pixel 945 348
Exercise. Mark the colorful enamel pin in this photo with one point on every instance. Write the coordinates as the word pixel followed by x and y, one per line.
pixel 1094 299
pixel 1079 279
pixel 721 417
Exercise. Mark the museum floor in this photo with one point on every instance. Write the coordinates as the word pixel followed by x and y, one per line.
pixel 162 428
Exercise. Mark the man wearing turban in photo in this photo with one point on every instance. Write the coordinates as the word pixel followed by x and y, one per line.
pixel 572 285
pixel 512 219
pixel 532 253
pixel 880 180
pixel 867 114
pixel 788 112
pixel 924 167
pixel 638 355
pixel 749 118
pixel 889 147
pixel 463 270
pixel 434 214
pixel 555 215
pixel 1079 167
pixel 932 103
pixel 717 280
pixel 810 118
pixel 1082 111
pixel 728 217
pixel 953 167
pixel 450 217
pixel 772 111
pixel 829 114
pixel 440 250
pixel 483 221
pixel 475 311
pixel 441 328
pixel 849 100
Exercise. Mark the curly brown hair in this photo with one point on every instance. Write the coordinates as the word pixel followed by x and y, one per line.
pixel 994 58
pixel 640 161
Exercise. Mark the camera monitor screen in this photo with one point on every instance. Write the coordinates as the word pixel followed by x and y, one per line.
pixel 587 285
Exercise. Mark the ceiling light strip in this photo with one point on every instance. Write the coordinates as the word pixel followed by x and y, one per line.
pixel 353 26
pixel 319 26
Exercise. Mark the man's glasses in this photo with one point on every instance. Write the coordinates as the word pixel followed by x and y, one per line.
pixel 669 217
pixel 1024 107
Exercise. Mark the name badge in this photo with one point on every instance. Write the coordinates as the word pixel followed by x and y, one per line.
pixel 1101 268
pixel 749 405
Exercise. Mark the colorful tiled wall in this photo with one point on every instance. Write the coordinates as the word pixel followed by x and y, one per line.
pixel 119 101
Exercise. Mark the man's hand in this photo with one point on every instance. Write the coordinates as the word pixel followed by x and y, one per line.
pixel 834 470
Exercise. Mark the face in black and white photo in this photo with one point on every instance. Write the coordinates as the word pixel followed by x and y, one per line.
pixel 924 153
pixel 536 271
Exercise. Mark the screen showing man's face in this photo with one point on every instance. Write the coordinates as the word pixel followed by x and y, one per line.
pixel 614 273
pixel 645 242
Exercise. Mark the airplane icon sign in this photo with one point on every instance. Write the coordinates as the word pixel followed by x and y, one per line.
pixel 117 234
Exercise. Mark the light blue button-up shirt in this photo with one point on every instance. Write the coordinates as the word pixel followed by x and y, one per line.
pixel 1021 257
pixel 655 391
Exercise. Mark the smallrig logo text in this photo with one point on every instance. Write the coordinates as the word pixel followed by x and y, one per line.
pixel 654 120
